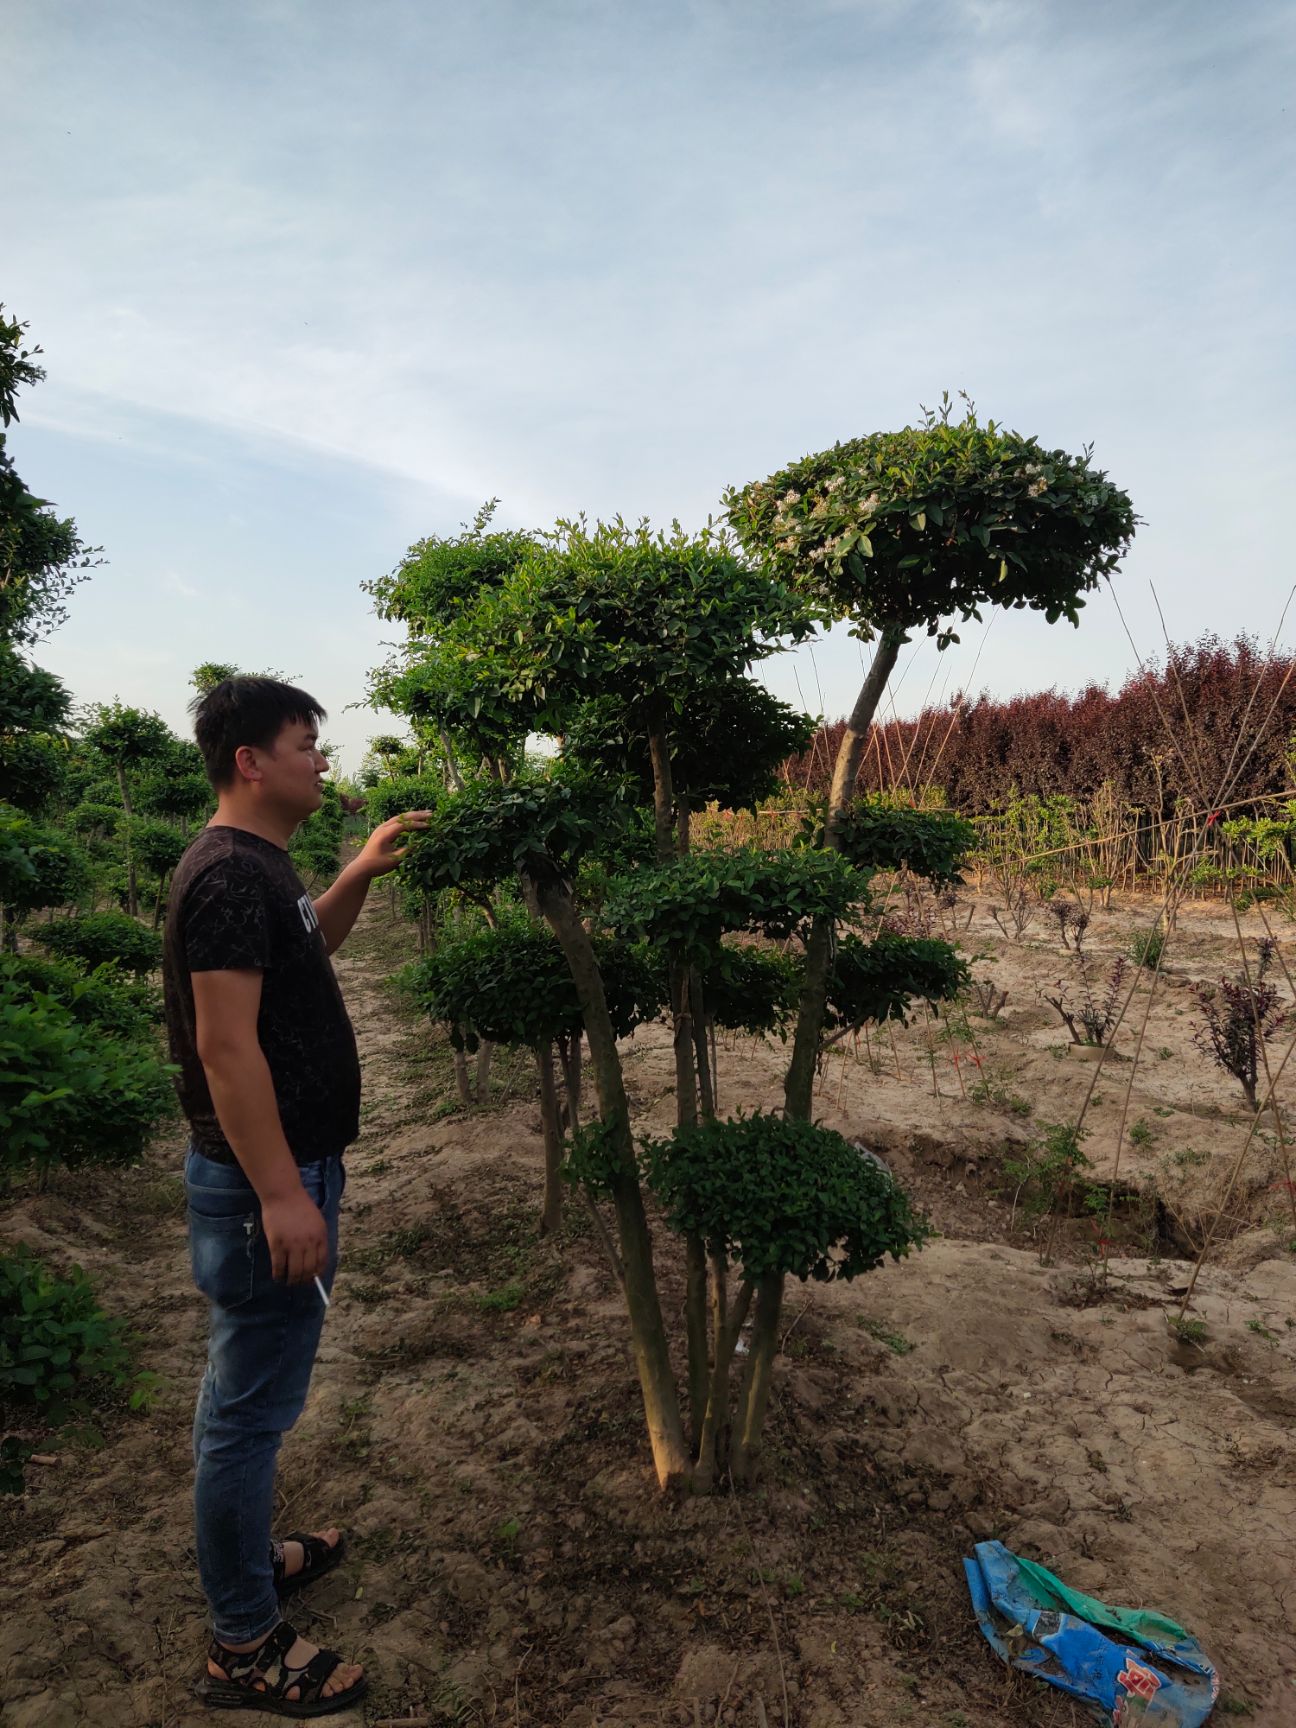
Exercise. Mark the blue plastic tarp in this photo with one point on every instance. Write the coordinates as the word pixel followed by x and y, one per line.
pixel 1135 1671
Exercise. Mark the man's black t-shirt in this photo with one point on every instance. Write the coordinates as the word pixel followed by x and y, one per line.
pixel 237 903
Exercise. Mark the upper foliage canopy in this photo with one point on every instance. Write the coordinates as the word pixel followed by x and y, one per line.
pixel 653 616
pixel 42 557
pixel 908 529
pixel 126 736
pixel 440 579
pixel 728 743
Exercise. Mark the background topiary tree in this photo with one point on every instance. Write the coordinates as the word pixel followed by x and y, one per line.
pixel 103 937
pixel 128 739
pixel 39 867
pixel 510 985
pixel 914 530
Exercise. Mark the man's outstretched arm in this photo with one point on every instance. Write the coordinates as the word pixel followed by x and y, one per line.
pixel 338 907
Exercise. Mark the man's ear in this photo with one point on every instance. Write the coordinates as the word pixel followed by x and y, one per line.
pixel 246 764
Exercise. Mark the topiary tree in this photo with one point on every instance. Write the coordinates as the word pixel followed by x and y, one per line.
pixel 103 937
pixel 174 786
pixel 657 619
pixel 39 867
pixel 158 848
pixel 511 986
pixel 128 738
pixel 916 530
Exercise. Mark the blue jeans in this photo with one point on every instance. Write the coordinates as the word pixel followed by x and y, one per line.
pixel 260 1353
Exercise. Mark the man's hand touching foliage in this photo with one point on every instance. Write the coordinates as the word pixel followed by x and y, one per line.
pixel 389 842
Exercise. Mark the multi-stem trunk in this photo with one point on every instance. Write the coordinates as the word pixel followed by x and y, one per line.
pixel 727 1327
pixel 463 1085
pixel 569 1057
pixel 744 1453
pixel 132 891
pixel 482 1071
pixel 798 1091
pixel 671 844
pixel 668 846
pixel 551 1210
pixel 453 775
pixel 552 900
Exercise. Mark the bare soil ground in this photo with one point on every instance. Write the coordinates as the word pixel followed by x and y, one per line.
pixel 474 1419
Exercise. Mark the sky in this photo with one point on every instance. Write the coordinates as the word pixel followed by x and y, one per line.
pixel 313 280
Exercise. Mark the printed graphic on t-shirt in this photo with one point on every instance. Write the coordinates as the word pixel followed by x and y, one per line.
pixel 307 910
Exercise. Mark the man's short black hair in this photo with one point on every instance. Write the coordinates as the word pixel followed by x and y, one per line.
pixel 246 709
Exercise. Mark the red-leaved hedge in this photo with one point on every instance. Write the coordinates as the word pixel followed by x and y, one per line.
pixel 1213 725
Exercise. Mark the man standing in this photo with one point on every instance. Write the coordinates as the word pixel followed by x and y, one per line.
pixel 270 1082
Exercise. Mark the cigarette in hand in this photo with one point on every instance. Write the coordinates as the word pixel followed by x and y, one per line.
pixel 323 1293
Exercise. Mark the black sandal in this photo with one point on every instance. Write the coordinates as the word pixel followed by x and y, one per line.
pixel 318 1559
pixel 260 1679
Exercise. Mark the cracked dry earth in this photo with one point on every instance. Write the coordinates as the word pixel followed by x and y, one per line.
pixel 473 1424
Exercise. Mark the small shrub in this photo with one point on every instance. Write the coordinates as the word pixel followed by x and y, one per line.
pixel 58 1350
pixel 1188 1331
pixel 70 1094
pixel 1146 948
pixel 1141 1132
pixel 124 1007
pixel 102 937
pixel 1045 1174
pixel 987 999
pixel 896 1342
pixel 1093 1020
pixel 1072 921
pixel 1237 1015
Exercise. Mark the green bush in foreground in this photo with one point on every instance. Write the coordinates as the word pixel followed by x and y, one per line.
pixel 69 1093
pixel 107 998
pixel 58 1352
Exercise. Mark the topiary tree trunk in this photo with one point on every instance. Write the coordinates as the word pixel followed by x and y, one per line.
pixel 798 1090
pixel 551 1209
pixel 553 902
